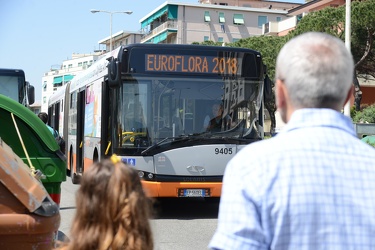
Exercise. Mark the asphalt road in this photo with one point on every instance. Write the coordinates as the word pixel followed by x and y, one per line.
pixel 177 224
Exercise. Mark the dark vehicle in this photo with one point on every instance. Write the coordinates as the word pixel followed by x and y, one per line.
pixel 13 84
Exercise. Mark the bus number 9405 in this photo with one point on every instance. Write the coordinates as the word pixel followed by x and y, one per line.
pixel 223 151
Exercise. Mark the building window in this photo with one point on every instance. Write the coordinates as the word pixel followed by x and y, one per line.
pixel 44 99
pixel 80 64
pixel 70 66
pixel 44 86
pixel 222 28
pixel 299 17
pixel 261 20
pixel 238 19
pixel 207 17
pixel 235 40
pixel 225 4
pixel 220 39
pixel 278 19
pixel 85 63
pixel 221 17
pixel 205 38
pixel 126 41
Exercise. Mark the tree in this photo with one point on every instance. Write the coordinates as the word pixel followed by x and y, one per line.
pixel 332 21
pixel 269 47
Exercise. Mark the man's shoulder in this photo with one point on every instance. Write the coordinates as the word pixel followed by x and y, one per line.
pixel 262 147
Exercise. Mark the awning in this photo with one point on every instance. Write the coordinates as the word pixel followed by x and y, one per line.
pixel 68 78
pixel 207 17
pixel 57 80
pixel 154 16
pixel 61 79
pixel 238 19
pixel 172 14
pixel 221 17
pixel 159 38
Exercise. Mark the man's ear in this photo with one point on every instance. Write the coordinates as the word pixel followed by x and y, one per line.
pixel 280 94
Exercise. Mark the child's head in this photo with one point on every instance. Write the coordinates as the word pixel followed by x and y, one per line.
pixel 112 209
pixel 43 116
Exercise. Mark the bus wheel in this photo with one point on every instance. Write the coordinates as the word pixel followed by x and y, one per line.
pixel 75 178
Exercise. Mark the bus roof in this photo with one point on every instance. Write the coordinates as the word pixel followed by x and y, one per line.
pixel 59 94
pixel 12 72
pixel 188 46
pixel 30 119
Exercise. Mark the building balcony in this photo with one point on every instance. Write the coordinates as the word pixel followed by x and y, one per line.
pixel 270 28
pixel 280 28
pixel 164 27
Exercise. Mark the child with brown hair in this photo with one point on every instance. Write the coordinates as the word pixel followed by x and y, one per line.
pixel 112 211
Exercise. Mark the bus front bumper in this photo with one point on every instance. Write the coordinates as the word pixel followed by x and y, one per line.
pixel 182 189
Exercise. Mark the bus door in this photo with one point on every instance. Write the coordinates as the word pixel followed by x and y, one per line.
pixel 106 123
pixel 80 130
pixel 55 115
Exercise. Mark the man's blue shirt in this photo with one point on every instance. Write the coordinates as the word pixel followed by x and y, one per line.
pixel 310 187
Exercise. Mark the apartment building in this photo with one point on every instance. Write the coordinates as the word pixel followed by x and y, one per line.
pixel 62 74
pixel 294 16
pixel 183 23
pixel 252 4
pixel 121 38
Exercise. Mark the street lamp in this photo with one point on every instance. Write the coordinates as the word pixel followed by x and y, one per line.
pixel 110 14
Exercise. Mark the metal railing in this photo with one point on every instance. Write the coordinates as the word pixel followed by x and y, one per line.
pixel 159 29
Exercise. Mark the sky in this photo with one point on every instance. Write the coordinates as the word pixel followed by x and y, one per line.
pixel 36 35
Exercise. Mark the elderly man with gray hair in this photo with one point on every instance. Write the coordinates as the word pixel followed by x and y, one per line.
pixel 312 185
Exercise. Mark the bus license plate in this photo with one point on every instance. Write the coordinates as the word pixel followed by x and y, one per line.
pixel 194 193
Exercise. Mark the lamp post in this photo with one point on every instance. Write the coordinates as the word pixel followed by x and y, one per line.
pixel 110 15
pixel 347 42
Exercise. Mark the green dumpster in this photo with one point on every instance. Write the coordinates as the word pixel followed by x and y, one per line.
pixel 40 145
pixel 370 139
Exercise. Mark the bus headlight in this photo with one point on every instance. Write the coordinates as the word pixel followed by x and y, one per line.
pixel 147 176
pixel 141 174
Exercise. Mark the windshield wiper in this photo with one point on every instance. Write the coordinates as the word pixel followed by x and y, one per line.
pixel 154 146
pixel 174 139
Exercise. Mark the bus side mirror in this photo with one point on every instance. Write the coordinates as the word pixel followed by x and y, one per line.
pixel 31 94
pixel 114 75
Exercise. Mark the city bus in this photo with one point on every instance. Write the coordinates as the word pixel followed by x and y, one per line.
pixel 13 84
pixel 149 105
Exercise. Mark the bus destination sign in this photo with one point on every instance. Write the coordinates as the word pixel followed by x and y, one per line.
pixel 193 64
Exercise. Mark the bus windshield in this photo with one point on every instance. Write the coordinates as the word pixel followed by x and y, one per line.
pixel 149 110
pixel 13 84
pixel 10 86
